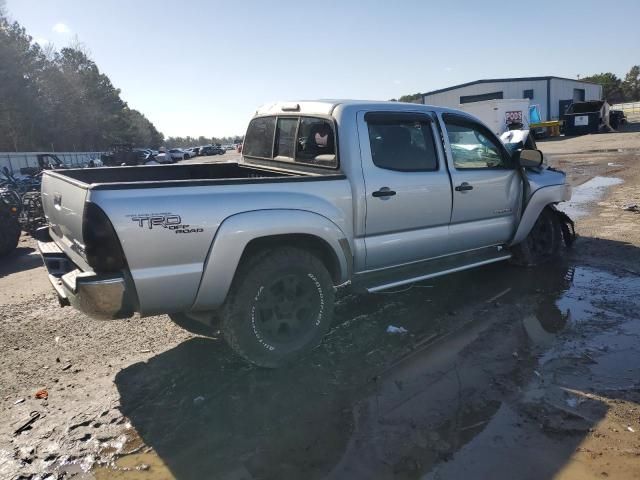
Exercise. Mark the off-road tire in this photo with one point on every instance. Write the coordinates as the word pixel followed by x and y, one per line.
pixel 9 233
pixel 279 307
pixel 543 242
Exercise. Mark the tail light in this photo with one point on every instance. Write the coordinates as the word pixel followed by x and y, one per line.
pixel 102 248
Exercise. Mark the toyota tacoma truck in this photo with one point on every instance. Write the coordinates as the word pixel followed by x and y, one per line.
pixel 327 193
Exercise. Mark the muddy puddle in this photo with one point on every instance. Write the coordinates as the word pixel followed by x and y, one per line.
pixel 497 363
pixel 586 194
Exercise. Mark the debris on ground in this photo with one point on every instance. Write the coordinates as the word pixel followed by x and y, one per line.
pixel 42 394
pixel 632 207
pixel 397 330
pixel 18 401
pixel 198 400
pixel 501 294
pixel 25 424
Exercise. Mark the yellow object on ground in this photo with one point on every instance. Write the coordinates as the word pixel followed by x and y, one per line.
pixel 552 127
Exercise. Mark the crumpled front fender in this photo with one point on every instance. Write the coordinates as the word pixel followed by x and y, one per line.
pixel 539 200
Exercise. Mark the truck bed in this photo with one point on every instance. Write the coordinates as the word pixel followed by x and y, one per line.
pixel 184 175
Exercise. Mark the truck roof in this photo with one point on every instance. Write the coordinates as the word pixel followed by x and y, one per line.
pixel 327 106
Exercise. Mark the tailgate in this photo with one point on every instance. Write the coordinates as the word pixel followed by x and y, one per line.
pixel 63 202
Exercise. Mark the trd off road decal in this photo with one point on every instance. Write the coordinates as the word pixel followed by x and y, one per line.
pixel 169 221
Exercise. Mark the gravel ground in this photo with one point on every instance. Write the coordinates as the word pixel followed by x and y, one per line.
pixel 505 373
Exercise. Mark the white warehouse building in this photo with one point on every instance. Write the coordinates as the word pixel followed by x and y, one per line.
pixel 551 94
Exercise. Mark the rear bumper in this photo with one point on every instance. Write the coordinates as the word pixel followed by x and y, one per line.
pixel 99 296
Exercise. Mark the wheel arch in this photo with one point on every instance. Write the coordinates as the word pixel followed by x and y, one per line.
pixel 540 199
pixel 243 235
pixel 304 241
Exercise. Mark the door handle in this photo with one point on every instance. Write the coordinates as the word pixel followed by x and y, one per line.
pixel 463 187
pixel 384 192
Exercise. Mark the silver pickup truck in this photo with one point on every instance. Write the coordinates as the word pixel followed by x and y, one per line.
pixel 328 193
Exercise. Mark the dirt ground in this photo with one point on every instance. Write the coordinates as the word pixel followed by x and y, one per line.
pixel 504 372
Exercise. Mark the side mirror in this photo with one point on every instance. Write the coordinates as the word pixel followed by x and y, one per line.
pixel 530 158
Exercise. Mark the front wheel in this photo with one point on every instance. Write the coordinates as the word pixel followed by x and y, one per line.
pixel 543 242
pixel 280 306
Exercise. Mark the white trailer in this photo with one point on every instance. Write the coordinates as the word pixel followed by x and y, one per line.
pixel 498 114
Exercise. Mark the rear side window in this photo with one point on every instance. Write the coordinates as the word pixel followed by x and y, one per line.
pixel 259 139
pixel 304 140
pixel 402 145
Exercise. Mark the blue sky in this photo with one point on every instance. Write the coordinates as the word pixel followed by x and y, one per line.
pixel 201 67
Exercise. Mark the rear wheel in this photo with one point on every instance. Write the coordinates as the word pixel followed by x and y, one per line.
pixel 543 242
pixel 9 233
pixel 280 306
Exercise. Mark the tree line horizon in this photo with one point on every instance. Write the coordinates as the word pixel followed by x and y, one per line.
pixel 59 100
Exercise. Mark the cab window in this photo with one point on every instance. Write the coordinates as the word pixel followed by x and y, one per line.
pixel 259 138
pixel 472 146
pixel 304 140
pixel 402 144
pixel 316 142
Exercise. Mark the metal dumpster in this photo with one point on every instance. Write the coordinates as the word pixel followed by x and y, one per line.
pixel 582 118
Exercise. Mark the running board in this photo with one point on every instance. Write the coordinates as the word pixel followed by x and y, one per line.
pixel 394 277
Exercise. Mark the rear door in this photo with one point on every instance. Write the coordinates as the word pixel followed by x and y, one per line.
pixel 408 192
pixel 487 186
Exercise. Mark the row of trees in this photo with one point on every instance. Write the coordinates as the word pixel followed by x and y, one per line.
pixel 59 100
pixel 616 90
pixel 186 142
pixel 415 98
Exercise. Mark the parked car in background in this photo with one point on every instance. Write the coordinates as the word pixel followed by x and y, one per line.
pixel 122 154
pixel 617 118
pixel 164 157
pixel 179 154
pixel 143 154
pixel 212 150
pixel 193 151
pixel 416 192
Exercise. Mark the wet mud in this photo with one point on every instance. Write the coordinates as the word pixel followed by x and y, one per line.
pixel 367 404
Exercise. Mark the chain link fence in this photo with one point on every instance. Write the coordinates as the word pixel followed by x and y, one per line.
pixel 14 161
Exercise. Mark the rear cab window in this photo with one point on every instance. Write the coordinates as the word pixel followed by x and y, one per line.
pixel 304 140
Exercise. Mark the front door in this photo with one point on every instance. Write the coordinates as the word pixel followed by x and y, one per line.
pixel 487 186
pixel 408 191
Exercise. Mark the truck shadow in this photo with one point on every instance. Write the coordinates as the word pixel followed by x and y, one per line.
pixel 21 259
pixel 368 404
